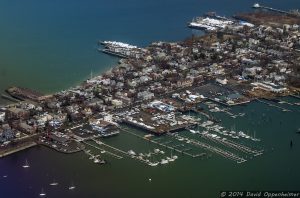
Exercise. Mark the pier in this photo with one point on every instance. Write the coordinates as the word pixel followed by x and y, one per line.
pixel 4 96
pixel 163 145
pixel 233 145
pixel 98 148
pixel 22 147
pixel 209 117
pixel 258 6
pixel 216 150
pixel 273 105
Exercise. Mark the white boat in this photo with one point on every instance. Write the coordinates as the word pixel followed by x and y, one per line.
pixel 96 161
pixel 164 161
pixel 53 184
pixel 72 186
pixel 26 165
pixel 42 194
pixel 153 163
pixel 156 150
pixel 91 157
pixel 131 152
pixel 192 131
pixel 170 159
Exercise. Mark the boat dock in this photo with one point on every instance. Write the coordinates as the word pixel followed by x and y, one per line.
pixel 98 148
pixel 233 145
pixel 213 149
pixel 273 105
pixel 164 145
pixel 9 151
pixel 209 117
pixel 258 6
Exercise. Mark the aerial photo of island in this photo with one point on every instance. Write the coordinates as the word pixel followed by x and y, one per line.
pixel 131 99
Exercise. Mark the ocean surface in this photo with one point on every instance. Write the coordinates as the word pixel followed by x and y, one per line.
pixel 50 45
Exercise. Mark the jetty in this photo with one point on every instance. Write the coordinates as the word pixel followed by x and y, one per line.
pixel 21 93
pixel 258 6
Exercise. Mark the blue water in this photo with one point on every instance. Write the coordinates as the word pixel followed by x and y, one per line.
pixel 50 45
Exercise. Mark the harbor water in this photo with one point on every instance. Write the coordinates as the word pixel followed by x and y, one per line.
pixel 51 45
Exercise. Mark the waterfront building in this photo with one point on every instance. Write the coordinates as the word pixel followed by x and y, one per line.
pixel 16 113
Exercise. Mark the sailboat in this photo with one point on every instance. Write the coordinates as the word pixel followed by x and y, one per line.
pixel 42 194
pixel 72 186
pixel 26 165
pixel 171 159
pixel 54 183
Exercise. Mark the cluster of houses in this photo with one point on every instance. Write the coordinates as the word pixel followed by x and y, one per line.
pixel 260 57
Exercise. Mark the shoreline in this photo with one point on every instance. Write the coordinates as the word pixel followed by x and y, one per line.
pixel 18 149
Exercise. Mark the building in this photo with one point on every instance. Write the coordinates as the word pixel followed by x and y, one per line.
pixel 2 116
pixel 25 128
pixel 117 103
pixel 145 95
pixel 17 113
pixel 267 86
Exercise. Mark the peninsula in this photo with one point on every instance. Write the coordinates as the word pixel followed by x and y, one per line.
pixel 155 88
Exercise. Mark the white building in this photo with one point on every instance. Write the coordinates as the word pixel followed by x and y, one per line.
pixel 2 116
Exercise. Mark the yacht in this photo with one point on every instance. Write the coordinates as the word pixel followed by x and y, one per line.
pixel 26 165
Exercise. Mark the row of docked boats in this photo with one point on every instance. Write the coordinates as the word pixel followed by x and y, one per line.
pixel 145 157
pixel 220 130
pixel 96 158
